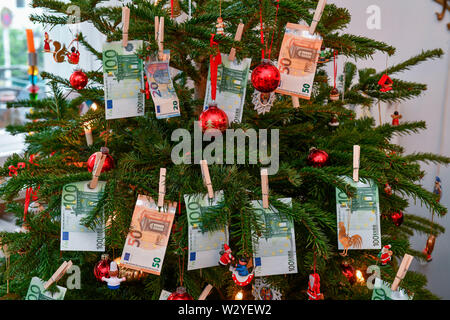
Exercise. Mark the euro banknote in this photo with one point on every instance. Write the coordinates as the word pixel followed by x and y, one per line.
pixel 77 202
pixel 297 61
pixel 358 219
pixel 204 245
pixel 232 78
pixel 161 87
pixel 123 78
pixel 382 291
pixel 36 291
pixel 274 250
pixel 148 236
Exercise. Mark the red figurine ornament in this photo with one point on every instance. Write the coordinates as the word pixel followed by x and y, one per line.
pixel 47 42
pixel 385 83
pixel 397 218
pixel 226 256
pixel 395 118
pixel 314 287
pixel 385 255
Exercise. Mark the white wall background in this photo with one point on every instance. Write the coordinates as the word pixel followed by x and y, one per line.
pixel 410 26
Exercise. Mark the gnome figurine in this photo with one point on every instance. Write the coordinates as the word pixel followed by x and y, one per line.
pixel 385 255
pixel 226 256
pixel 113 281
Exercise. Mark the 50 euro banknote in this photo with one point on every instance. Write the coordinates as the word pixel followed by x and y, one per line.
pixel 78 201
pixel 297 61
pixel 123 77
pixel 161 87
pixel 204 245
pixel 148 236
pixel 274 250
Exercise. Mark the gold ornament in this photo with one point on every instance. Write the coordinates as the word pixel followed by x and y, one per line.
pixel 129 274
pixel 430 246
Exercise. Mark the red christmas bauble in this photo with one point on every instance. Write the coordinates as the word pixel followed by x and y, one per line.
pixel 266 77
pixel 107 165
pixel 388 189
pixel 78 80
pixel 213 118
pixel 397 218
pixel 317 158
pixel 180 294
pixel 101 269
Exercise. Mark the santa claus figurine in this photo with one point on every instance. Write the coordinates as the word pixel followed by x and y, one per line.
pixel 226 256
pixel 385 255
pixel 73 57
pixel 47 42
pixel 113 281
pixel 314 287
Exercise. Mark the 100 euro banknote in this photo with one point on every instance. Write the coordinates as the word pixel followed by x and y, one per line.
pixel 78 201
pixel 148 236
pixel 358 218
pixel 382 291
pixel 204 245
pixel 232 78
pixel 274 250
pixel 123 77
pixel 161 87
pixel 36 291
pixel 297 61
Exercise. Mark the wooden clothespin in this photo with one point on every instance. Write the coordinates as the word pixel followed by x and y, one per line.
pixel 207 178
pixel 237 37
pixel 317 16
pixel 205 292
pixel 356 153
pixel 159 36
pixel 58 274
pixel 265 188
pixel 100 158
pixel 162 187
pixel 404 266
pixel 295 102
pixel 126 23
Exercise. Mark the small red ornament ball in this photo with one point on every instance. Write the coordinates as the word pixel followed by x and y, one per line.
pixel 213 118
pixel 266 77
pixel 101 269
pixel 78 80
pixel 348 271
pixel 397 218
pixel 107 165
pixel 180 294
pixel 317 158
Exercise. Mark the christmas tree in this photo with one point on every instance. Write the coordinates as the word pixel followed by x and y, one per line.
pixel 141 145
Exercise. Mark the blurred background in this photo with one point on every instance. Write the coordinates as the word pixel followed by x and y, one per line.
pixel 409 25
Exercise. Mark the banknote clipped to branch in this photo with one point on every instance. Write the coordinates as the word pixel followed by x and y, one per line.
pixel 204 245
pixel 382 291
pixel 36 291
pixel 123 77
pixel 274 250
pixel 148 236
pixel 297 61
pixel 358 218
pixel 161 86
pixel 78 201
pixel 232 78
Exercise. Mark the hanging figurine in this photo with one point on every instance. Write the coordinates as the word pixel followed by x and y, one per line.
pixel 47 42
pixel 385 255
pixel 334 122
pixel 220 26
pixel 113 281
pixel 429 247
pixel 240 274
pixel 73 57
pixel 395 118
pixel 437 190
pixel 314 287
pixel 226 256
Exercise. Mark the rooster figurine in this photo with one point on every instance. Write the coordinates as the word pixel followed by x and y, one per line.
pixel 347 242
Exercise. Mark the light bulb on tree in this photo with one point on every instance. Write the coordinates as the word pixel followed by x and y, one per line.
pixel 88 128
pixel 359 276
pixel 239 296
